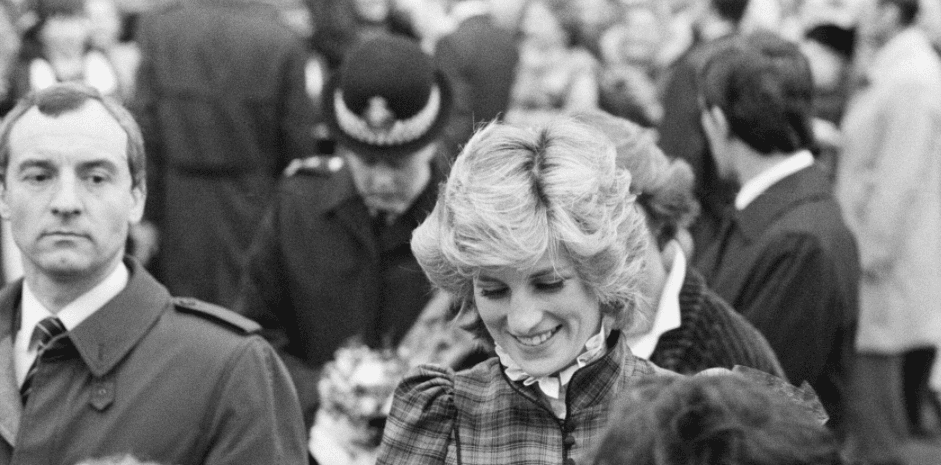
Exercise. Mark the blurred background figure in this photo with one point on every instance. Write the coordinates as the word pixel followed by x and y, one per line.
pixel 829 50
pixel 106 37
pixel 58 48
pixel 480 59
pixel 889 184
pixel 554 75
pixel 681 135
pixel 221 99
pixel 631 73
pixel 9 48
pixel 341 25
pixel 706 420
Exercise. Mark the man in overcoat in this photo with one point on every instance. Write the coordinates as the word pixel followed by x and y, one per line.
pixel 96 358
pixel 222 101
pixel 332 259
pixel 889 184
pixel 783 257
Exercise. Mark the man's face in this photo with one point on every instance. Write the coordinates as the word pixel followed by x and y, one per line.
pixel 67 192
pixel 390 183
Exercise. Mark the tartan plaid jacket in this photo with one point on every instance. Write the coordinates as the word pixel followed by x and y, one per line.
pixel 480 417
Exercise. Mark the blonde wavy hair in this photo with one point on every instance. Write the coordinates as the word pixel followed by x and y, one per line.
pixel 515 194
pixel 664 186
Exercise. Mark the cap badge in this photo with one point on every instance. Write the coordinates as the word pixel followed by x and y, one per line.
pixel 378 115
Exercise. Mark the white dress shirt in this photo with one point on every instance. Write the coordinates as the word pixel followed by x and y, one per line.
pixel 32 312
pixel 667 317
pixel 767 178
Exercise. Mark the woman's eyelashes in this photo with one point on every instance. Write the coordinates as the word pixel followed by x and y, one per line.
pixel 492 292
pixel 540 285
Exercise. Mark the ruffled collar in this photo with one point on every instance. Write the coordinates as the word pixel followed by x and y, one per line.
pixel 551 385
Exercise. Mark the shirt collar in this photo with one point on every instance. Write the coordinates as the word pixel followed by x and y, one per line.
pixel 756 186
pixel 79 309
pixel 551 385
pixel 667 317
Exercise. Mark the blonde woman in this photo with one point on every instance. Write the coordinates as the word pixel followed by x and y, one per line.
pixel 537 235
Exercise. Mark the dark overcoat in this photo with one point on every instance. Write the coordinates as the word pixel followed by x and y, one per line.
pixel 480 61
pixel 222 102
pixel 169 380
pixel 320 272
pixel 789 264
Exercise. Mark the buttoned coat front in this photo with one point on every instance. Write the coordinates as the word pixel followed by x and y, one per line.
pixel 889 184
pixel 479 417
pixel 175 381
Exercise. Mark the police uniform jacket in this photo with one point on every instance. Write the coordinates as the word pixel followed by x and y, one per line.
pixel 321 271
pixel 169 380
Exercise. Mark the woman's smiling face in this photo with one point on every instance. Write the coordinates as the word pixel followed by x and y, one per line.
pixel 542 316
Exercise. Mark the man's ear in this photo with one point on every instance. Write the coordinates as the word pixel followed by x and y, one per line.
pixel 139 198
pixel 4 206
pixel 714 123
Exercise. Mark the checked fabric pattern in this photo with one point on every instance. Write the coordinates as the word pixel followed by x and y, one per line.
pixel 46 330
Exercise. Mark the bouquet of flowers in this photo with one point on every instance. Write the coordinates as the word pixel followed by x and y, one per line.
pixel 356 387
pixel 355 395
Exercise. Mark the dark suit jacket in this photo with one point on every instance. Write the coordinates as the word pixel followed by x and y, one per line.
pixel 480 60
pixel 318 274
pixel 169 380
pixel 789 264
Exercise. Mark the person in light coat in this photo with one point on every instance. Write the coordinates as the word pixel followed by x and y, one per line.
pixel 889 185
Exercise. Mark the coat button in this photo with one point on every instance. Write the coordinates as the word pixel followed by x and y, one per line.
pixel 568 441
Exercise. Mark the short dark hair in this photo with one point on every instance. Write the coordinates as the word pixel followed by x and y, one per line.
pixel 704 420
pixel 68 97
pixel 908 10
pixel 763 84
pixel 731 10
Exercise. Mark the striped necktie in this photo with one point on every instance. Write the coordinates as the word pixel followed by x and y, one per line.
pixel 46 330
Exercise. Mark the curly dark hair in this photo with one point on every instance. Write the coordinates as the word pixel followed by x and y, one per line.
pixel 712 420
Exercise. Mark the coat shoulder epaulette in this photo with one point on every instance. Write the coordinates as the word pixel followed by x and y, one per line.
pixel 219 315
pixel 318 165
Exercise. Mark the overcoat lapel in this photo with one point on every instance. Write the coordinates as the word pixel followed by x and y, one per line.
pixel 11 408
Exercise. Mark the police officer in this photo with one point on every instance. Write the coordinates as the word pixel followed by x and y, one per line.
pixel 332 259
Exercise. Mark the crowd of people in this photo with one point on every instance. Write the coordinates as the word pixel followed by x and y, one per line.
pixel 469 231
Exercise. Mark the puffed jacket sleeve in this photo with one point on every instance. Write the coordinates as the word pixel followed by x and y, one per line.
pixel 419 428
pixel 258 417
